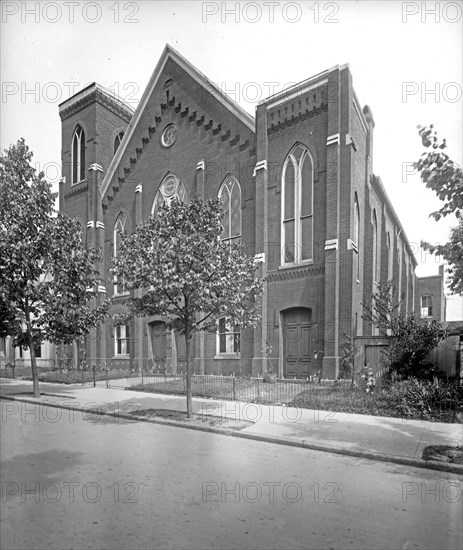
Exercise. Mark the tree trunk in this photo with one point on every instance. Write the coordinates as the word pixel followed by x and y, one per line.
pixel 189 400
pixel 35 374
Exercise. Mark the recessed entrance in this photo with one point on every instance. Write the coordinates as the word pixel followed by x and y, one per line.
pixel 298 336
pixel 158 337
pixel 167 348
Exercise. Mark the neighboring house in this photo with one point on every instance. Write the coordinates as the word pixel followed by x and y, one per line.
pixel 298 190
pixel 430 299
pixel 45 354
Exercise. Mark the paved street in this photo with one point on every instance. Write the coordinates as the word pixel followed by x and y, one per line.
pixel 70 480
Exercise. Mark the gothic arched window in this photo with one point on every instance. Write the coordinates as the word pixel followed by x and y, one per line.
pixel 297 207
pixel 375 248
pixel 78 155
pixel 117 141
pixel 171 188
pixel 119 228
pixel 230 195
pixel 357 237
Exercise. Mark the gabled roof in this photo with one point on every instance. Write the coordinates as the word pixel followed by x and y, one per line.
pixel 199 77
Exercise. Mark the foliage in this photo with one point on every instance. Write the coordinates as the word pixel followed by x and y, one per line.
pixel 348 351
pixel 269 376
pixel 445 178
pixel 411 338
pixel 411 342
pixel 186 274
pixel 452 253
pixel 426 398
pixel 366 374
pixel 48 283
pixel 440 173
pixel 382 312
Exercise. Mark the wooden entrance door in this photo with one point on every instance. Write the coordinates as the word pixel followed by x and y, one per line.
pixel 159 344
pixel 181 352
pixel 298 333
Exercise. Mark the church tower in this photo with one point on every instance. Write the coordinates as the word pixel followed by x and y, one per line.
pixel 93 124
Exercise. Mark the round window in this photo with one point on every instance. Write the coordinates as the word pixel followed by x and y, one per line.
pixel 169 135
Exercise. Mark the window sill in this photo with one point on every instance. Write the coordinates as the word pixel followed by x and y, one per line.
pixel 227 356
pixel 299 264
pixel 122 356
pixel 77 182
pixel 121 295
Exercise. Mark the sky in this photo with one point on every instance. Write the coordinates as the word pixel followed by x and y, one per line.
pixel 405 58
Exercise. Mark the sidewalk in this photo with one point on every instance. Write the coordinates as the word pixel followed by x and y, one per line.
pixel 373 437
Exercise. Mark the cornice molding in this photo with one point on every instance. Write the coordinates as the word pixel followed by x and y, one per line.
pixel 96 96
pixel 78 190
pixel 298 273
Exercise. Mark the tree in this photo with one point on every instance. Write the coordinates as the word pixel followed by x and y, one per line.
pixel 382 312
pixel 48 283
pixel 445 178
pixel 410 344
pixel 187 274
pixel 410 338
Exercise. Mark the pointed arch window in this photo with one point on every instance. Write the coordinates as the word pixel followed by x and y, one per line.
pixel 119 228
pixel 357 237
pixel 117 141
pixel 171 188
pixel 78 155
pixel 390 256
pixel 375 248
pixel 297 207
pixel 230 196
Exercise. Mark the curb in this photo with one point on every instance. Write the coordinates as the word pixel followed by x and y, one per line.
pixel 369 455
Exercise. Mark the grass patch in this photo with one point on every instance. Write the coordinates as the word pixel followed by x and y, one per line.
pixel 443 453
pixel 196 419
pixel 77 377
pixel 243 389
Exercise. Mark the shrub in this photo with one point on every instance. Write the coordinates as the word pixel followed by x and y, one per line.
pixel 427 399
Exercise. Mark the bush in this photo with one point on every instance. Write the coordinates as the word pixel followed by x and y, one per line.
pixel 430 400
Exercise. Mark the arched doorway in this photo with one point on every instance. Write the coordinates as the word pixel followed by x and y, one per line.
pixel 298 342
pixel 158 337
pixel 167 348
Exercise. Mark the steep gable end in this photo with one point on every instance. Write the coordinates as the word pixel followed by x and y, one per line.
pixel 202 92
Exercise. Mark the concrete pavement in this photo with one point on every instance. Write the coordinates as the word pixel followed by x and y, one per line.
pixel 372 437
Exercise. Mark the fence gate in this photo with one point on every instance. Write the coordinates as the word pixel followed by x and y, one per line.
pixel 373 356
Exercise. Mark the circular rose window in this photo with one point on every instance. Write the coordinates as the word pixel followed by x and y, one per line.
pixel 169 135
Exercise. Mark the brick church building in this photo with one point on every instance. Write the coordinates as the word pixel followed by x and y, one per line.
pixel 298 190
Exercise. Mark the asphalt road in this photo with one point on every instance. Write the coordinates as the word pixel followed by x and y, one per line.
pixel 75 481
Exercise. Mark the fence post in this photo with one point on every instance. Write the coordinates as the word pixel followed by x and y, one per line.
pixel 258 387
pixel 234 389
pixel 107 378
pixel 82 371
pixel 94 376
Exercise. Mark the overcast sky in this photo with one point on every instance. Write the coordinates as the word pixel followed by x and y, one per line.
pixel 405 57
